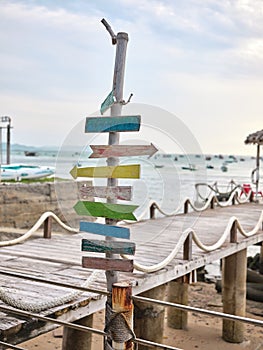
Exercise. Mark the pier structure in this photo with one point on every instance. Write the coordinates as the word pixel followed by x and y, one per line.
pixel 168 252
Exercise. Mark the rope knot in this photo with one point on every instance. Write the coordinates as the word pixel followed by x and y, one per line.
pixel 117 326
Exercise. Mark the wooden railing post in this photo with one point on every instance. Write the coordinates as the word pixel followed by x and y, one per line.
pixel 47 227
pixel 233 233
pixel 152 211
pixel 186 206
pixel 212 204
pixel 234 199
pixel 188 247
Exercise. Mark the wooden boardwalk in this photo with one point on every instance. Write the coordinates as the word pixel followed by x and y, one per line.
pixel 59 259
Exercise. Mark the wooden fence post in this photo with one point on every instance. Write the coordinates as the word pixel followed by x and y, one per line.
pixel 152 211
pixel 47 227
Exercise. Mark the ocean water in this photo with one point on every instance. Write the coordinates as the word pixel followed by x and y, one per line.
pixel 163 178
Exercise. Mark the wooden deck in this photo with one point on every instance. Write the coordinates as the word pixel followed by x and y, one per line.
pixel 59 259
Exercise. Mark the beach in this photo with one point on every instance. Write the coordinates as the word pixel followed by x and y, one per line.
pixel 204 332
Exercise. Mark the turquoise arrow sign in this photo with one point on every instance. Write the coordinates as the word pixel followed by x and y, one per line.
pixel 113 124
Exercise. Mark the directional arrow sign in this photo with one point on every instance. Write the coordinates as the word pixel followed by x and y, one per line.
pixel 101 151
pixel 113 172
pixel 106 210
pixel 114 247
pixel 115 124
pixel 114 192
pixel 104 230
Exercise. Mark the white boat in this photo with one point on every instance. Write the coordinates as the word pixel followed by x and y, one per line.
pixel 23 171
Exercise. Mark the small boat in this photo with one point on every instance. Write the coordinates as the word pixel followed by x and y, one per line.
pixel 224 168
pixel 30 153
pixel 191 167
pixel 22 171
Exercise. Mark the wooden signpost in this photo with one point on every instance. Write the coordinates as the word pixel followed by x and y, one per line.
pixel 113 124
pixel 116 192
pixel 105 151
pixel 111 210
pixel 111 172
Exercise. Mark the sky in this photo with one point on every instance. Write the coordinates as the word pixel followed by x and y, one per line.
pixel 199 60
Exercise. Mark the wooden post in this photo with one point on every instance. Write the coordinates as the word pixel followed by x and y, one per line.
pixel 212 204
pixel 233 233
pixel 234 295
pixel 120 325
pixel 177 293
pixel 47 227
pixel 152 211
pixel 257 171
pixel 74 339
pixel 261 259
pixel 186 206
pixel 149 318
pixel 8 140
pixel 118 81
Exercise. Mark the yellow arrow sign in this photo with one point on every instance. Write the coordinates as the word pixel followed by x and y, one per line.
pixel 114 172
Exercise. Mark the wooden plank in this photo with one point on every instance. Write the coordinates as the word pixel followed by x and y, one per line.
pixel 104 230
pixel 131 171
pixel 106 151
pixel 114 247
pixel 115 192
pixel 107 264
pixel 113 124
pixel 106 210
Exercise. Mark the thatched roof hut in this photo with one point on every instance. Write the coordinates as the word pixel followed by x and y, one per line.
pixel 256 138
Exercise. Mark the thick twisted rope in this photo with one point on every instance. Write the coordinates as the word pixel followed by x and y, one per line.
pixel 206 248
pixel 37 225
pixel 14 299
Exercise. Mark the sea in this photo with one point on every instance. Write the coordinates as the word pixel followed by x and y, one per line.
pixel 167 179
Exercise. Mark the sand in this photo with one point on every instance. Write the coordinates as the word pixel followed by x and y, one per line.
pixel 204 332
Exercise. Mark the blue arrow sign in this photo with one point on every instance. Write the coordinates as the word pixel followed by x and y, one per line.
pixel 104 230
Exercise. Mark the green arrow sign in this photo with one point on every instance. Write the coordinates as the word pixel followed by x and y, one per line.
pixel 106 210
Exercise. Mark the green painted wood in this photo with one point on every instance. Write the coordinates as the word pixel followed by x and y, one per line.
pixel 131 171
pixel 106 151
pixel 106 210
pixel 114 247
pixel 107 264
pixel 113 124
pixel 104 230
pixel 107 103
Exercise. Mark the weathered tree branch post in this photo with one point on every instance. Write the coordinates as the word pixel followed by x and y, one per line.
pixel 118 81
